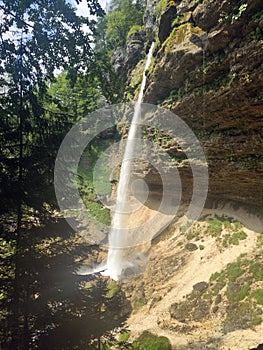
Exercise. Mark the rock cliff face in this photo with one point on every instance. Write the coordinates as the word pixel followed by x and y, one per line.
pixel 208 70
pixel 209 73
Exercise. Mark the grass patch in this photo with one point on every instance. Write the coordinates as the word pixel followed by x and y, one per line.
pixel 258 295
pixel 257 270
pixel 236 237
pixel 238 295
pixel 234 271
pixel 215 276
pixel 124 337
pixel 214 228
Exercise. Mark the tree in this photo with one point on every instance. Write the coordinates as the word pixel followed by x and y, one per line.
pixel 73 99
pixel 36 38
pixel 124 15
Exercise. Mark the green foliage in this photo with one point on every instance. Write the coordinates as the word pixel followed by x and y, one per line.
pixel 121 20
pixel 138 303
pixel 235 15
pixel 134 29
pixel 214 228
pixel 98 212
pixel 185 227
pixel 243 295
pixel 76 100
pixel 234 238
pixel 258 295
pixel 190 235
pixel 241 315
pixel 149 341
pixel 124 337
pixel 90 191
pixel 113 289
pixel 242 8
pixel 239 295
pixel 234 270
pixel 257 34
pixel 214 276
pixel 43 301
pixel 6 248
pixel 160 7
pixel 256 269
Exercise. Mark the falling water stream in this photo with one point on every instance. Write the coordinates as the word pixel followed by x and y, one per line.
pixel 119 235
pixel 120 238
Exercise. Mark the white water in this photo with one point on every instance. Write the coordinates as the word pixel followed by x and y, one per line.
pixel 119 235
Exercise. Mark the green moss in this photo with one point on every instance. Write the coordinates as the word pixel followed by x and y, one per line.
pixel 219 286
pixel 138 303
pixel 260 240
pixel 177 20
pixel 149 341
pixel 256 320
pixel 124 337
pixel 134 29
pixel 136 78
pixel 113 289
pixel 160 8
pixel 237 225
pixel 227 224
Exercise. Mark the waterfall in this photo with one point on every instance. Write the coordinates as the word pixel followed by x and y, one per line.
pixel 119 234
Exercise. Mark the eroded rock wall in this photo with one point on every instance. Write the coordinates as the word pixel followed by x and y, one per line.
pixel 208 71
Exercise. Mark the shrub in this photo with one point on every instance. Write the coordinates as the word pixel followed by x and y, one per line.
pixel 149 341
pixel 236 237
pixel 214 227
